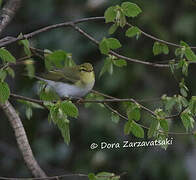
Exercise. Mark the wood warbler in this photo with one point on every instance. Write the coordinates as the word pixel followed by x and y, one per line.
pixel 75 81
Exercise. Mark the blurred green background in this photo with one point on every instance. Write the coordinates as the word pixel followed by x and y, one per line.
pixel 169 20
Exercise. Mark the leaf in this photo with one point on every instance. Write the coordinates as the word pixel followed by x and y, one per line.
pixel 29 112
pixel 137 130
pixel 120 62
pixel 57 58
pixel 110 14
pixel 153 128
pixel 65 131
pixel 127 127
pixel 69 109
pixel 104 47
pixel 10 71
pixel 107 67
pixel 4 92
pixel 133 112
pixel 113 43
pixel 187 120
pixel 92 176
pixel 48 95
pixel 190 55
pixel 115 118
pixel 159 48
pixel 133 31
pixel 120 19
pixel 183 92
pixel 192 105
pixel 164 124
pixel 6 56
pixel 104 175
pixel 26 45
pixel 131 9
pixel 113 28
pixel 3 74
pixel 168 102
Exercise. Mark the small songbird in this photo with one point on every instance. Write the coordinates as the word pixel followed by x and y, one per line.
pixel 75 81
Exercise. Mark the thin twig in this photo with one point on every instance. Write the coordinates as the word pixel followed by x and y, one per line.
pixel 159 40
pixel 116 54
pixel 61 176
pixel 47 28
pixel 145 127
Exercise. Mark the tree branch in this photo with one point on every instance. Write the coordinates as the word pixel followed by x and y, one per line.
pixel 6 16
pixel 9 40
pixel 159 40
pixel 116 54
pixel 62 176
pixel 145 127
pixel 8 13
pixel 22 140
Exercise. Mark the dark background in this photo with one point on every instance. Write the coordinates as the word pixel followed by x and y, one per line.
pixel 169 20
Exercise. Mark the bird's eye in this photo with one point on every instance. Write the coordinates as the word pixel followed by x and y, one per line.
pixel 82 69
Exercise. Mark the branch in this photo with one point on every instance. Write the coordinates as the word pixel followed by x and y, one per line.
pixel 145 127
pixel 116 54
pixel 22 140
pixel 8 13
pixel 62 176
pixel 9 40
pixel 159 40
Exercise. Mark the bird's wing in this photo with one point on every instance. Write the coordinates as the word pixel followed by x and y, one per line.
pixel 62 75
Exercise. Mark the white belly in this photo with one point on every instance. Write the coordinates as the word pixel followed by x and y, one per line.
pixel 66 90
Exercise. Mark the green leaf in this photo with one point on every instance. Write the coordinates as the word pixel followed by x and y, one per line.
pixel 107 67
pixel 133 31
pixel 57 59
pixel 110 14
pixel 48 95
pixel 29 112
pixel 4 92
pixel 65 131
pixel 10 71
pixel 104 47
pixel 133 112
pixel 137 130
pixel 153 128
pixel 190 55
pixel 172 66
pixel 185 68
pixel 127 127
pixel 113 28
pixel 168 102
pixel 26 45
pixel 92 176
pixel 192 105
pixel 120 62
pixel 104 175
pixel 120 19
pixel 113 43
pixel 115 117
pixel 3 74
pixel 164 124
pixel 159 48
pixel 187 120
pixel 69 108
pixel 131 9
pixel 6 56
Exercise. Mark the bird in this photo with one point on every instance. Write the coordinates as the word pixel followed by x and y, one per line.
pixel 72 82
